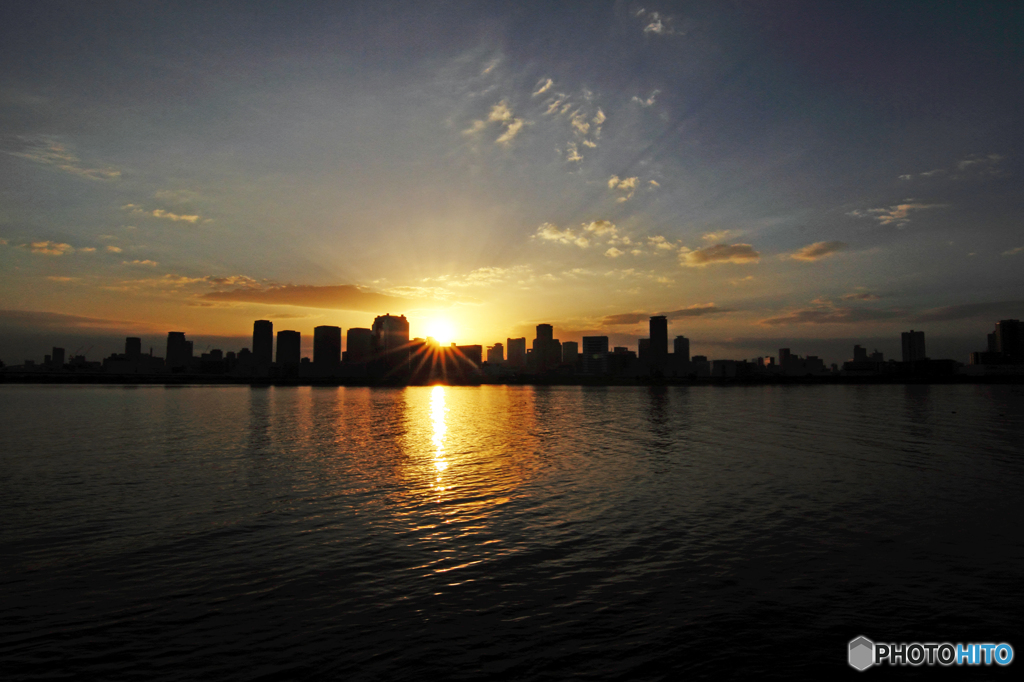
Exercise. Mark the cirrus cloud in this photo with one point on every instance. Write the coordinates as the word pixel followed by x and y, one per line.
pixel 818 250
pixel 720 253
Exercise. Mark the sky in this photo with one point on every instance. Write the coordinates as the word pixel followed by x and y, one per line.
pixel 765 174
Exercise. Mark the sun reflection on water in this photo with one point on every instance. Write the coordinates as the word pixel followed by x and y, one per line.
pixel 438 410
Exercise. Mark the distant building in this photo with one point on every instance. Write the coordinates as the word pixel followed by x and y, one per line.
pixel 391 340
pixel 643 350
pixel 289 351
pixel 860 354
pixel 496 354
pixel 1010 339
pixel 132 348
pixel 547 351
pixel 326 346
pixel 516 349
pixel 913 346
pixel 659 343
pixel 359 345
pixel 179 352
pixel 473 355
pixel 57 358
pixel 570 352
pixel 681 348
pixel 595 348
pixel 262 345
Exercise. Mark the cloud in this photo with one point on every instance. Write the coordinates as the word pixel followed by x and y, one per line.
pixel 1014 251
pixel 979 161
pixel 114 249
pixel 341 297
pixel 511 130
pixel 646 102
pixel 898 215
pixel 3 242
pixel 149 263
pixel 832 315
pixel 861 296
pixel 500 112
pixel 543 86
pixel 720 253
pixel 57 278
pixel 989 311
pixel 485 276
pixel 49 248
pixel 661 244
pixel 656 23
pixel 601 227
pixel 626 185
pixel 87 249
pixel 572 153
pixel 59 322
pixel 818 250
pixel 696 310
pixel 551 233
pixel 719 236
pixel 161 213
pixel 48 151
pixel 613 252
pixel 475 127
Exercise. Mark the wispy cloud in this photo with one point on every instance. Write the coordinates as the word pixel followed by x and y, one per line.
pixel 49 248
pixel 832 315
pixel 898 215
pixel 114 249
pixel 341 297
pixel 147 262
pixel 543 86
pixel 720 253
pixel 49 151
pixel 818 250
pixel 551 233
pixel 656 23
pixel 625 186
pixel 975 165
pixel 860 296
pixel 696 310
pixel 162 214
pixel 649 101
pixel 1013 251
pixel 987 310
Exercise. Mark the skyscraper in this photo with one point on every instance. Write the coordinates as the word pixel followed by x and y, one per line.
pixel 391 339
pixel 547 351
pixel 360 344
pixel 570 352
pixel 179 352
pixel 263 343
pixel 659 342
pixel 681 349
pixel 594 350
pixel 1010 339
pixel 913 346
pixel 132 347
pixel 495 354
pixel 516 349
pixel 326 346
pixel 289 350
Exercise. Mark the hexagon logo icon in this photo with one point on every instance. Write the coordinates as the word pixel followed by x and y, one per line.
pixel 861 653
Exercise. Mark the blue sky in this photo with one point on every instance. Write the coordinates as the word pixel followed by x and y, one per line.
pixel 765 173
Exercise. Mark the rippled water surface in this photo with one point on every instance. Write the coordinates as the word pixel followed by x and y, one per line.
pixel 501 532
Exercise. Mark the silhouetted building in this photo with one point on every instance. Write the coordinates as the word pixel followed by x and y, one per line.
pixel 496 354
pixel 57 358
pixel 391 341
pixel 179 352
pixel 262 345
pixel 359 346
pixel 913 346
pixel 595 348
pixel 326 346
pixel 1010 339
pixel 681 348
pixel 643 350
pixel 132 347
pixel 516 349
pixel 570 352
pixel 289 352
pixel 547 351
pixel 860 354
pixel 658 343
pixel 473 355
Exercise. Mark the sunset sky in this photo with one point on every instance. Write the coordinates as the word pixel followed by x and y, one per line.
pixel 764 173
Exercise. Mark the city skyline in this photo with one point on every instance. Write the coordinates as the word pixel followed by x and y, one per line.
pixel 793 176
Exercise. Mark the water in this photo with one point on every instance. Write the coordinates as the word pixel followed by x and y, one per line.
pixel 502 532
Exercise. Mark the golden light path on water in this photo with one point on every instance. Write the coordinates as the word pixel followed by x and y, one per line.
pixel 438 410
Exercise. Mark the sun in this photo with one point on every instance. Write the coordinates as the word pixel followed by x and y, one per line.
pixel 441 330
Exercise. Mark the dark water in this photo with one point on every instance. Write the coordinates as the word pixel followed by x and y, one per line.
pixel 503 533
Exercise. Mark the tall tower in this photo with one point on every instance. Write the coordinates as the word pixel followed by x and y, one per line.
pixel 360 344
pixel 326 346
pixel 594 350
pixel 391 339
pixel 913 346
pixel 263 343
pixel 659 342
pixel 289 349
pixel 179 351
pixel 516 349
pixel 681 349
